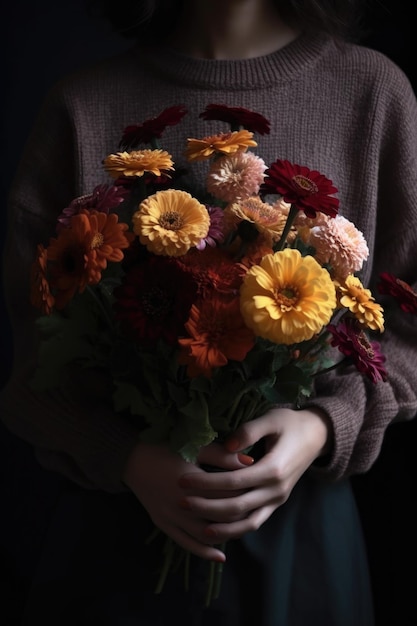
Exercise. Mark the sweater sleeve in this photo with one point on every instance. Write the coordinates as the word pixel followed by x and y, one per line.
pixel 80 438
pixel 359 410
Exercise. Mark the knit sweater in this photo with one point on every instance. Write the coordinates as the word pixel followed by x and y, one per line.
pixel 345 110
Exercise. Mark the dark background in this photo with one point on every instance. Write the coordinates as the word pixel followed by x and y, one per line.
pixel 43 40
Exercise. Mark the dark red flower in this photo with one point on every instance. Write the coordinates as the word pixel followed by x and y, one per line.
pixel 237 117
pixel 151 129
pixel 306 189
pixel 153 301
pixel 165 181
pixel 400 290
pixel 213 269
pixel 351 340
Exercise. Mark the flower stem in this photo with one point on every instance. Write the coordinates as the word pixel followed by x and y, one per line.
pixel 330 368
pixel 210 583
pixel 290 219
pixel 100 305
pixel 169 553
pixel 187 571
pixel 214 579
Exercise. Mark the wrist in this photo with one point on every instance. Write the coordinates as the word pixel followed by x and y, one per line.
pixel 324 431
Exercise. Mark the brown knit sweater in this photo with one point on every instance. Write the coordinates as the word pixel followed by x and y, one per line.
pixel 345 110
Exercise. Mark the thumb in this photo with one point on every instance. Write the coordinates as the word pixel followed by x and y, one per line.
pixel 246 437
pixel 217 456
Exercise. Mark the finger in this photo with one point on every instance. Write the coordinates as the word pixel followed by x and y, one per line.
pixel 248 434
pixel 216 511
pixel 233 509
pixel 238 480
pixel 220 533
pixel 217 457
pixel 205 550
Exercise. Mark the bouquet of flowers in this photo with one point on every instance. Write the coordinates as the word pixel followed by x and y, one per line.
pixel 204 307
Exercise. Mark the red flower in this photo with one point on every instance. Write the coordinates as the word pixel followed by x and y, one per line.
pixel 354 344
pixel 151 129
pixel 213 269
pixel 400 290
pixel 153 301
pixel 237 117
pixel 306 189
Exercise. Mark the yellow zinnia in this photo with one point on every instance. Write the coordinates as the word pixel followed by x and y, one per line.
pixel 353 295
pixel 137 162
pixel 170 222
pixel 287 298
pixel 225 143
pixel 266 218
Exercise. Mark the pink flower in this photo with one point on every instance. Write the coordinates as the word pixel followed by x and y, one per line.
pixel 339 244
pixel 236 177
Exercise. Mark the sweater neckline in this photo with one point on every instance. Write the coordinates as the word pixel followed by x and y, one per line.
pixel 279 66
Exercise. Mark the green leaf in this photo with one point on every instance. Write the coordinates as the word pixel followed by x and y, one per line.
pixel 192 427
pixel 292 382
pixel 64 341
pixel 156 419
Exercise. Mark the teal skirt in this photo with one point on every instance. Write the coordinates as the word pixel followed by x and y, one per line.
pixel 306 565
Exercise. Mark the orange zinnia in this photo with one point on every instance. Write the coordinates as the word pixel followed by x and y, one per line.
pixel 225 143
pixel 217 334
pixel 40 294
pixel 82 251
pixel 137 162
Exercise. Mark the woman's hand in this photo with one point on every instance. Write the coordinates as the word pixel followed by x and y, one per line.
pixel 153 473
pixel 293 440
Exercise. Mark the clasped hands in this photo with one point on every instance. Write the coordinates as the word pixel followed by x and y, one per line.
pixel 200 510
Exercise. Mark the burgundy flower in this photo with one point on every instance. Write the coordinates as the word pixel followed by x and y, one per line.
pixel 153 301
pixel 104 198
pixel 306 189
pixel 165 181
pixel 152 128
pixel 400 290
pixel 215 234
pixel 237 117
pixel 351 340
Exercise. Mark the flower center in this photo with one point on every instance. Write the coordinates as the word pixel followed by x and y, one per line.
pixel 365 344
pixel 72 261
pixel 247 231
pixel 156 303
pixel 306 184
pixel 171 220
pixel 97 241
pixel 287 298
pixel 358 294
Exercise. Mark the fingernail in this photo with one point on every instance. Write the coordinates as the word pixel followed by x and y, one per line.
pixel 245 459
pixel 232 445
pixel 184 504
pixel 219 559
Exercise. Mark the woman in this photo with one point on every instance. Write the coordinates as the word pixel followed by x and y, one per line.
pixel 294 553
